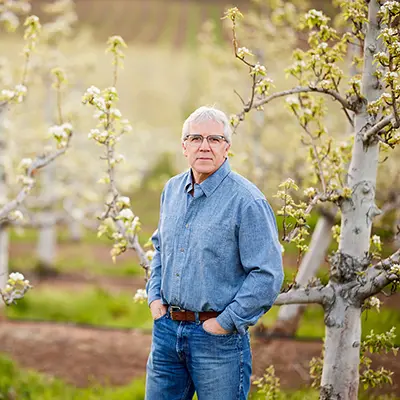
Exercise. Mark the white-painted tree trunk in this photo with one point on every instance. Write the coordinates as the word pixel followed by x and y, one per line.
pixel 396 229
pixel 342 351
pixel 3 198
pixel 75 230
pixel 289 315
pixel 75 226
pixel 340 376
pixel 47 239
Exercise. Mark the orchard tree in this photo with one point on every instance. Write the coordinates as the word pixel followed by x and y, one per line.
pixel 117 222
pixel 16 286
pixel 370 103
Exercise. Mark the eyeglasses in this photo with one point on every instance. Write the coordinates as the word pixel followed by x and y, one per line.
pixel 214 141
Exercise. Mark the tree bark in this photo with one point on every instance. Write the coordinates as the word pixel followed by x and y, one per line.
pixel 342 351
pixel 340 377
pixel 47 240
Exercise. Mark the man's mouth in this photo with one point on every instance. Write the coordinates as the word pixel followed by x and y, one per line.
pixel 204 158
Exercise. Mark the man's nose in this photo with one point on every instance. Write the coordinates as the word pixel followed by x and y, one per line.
pixel 205 146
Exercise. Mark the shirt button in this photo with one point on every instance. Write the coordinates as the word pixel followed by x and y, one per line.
pixel 182 250
pixel 177 275
pixel 187 225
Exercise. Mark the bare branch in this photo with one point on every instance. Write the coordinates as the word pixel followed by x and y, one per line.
pixel 318 295
pixel 378 127
pixel 39 163
pixel 306 89
pixel 378 276
pixel 299 89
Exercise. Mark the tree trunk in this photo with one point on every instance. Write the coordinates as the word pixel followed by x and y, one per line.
pixel 342 351
pixel 396 229
pixel 3 200
pixel 75 230
pixel 47 241
pixel 289 315
pixel 340 377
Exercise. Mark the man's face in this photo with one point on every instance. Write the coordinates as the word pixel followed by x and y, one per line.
pixel 205 159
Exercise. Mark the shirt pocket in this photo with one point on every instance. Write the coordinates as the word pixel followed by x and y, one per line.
pixel 217 238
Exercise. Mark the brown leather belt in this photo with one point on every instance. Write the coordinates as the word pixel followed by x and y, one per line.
pixel 190 316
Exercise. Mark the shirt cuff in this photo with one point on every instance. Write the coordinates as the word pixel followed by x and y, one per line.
pixel 152 297
pixel 226 322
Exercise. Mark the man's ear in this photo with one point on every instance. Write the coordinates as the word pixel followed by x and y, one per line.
pixel 184 150
pixel 227 150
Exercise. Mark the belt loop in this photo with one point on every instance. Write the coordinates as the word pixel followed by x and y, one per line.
pixel 196 316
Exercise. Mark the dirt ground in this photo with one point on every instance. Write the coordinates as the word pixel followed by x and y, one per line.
pixel 81 355
pixel 115 357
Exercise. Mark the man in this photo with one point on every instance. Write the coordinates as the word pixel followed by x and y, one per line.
pixel 217 269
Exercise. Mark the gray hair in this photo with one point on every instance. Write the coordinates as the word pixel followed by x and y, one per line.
pixel 208 114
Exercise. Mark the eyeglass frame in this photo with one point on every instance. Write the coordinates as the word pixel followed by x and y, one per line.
pixel 204 137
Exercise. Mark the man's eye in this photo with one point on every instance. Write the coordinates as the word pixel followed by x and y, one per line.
pixel 214 139
pixel 196 139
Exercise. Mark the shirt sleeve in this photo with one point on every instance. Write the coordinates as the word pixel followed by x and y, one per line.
pixel 261 257
pixel 153 286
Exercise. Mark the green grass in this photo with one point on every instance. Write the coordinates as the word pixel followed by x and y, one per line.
pixel 99 307
pixel 95 307
pixel 22 384
pixel 86 262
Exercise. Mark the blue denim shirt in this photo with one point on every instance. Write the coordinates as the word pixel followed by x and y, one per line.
pixel 216 250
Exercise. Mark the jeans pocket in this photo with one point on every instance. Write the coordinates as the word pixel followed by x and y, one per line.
pixel 217 334
pixel 160 318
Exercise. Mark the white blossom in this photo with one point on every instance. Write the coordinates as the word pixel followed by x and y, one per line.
pixel 67 126
pixel 395 269
pixel 7 94
pixel 124 201
pixel 17 276
pixel 310 192
pixel 140 296
pixel 244 51
pixel 92 90
pixel 374 302
pixel 57 131
pixel 126 214
pixel 149 254
pixel 10 18
pixel 17 215
pixel 114 112
pixel 21 88
pixel 25 163
pixel 376 240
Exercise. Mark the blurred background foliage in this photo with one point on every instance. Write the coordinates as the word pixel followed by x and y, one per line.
pixel 179 57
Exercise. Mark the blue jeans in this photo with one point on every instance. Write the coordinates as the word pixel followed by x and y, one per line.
pixel 184 358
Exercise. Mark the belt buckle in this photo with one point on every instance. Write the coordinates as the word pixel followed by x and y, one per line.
pixel 174 309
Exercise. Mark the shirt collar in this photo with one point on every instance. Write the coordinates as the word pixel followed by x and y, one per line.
pixel 210 184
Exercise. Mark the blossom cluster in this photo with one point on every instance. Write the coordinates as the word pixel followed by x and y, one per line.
pixel 15 289
pixel 61 133
pixel 15 95
pixel 140 296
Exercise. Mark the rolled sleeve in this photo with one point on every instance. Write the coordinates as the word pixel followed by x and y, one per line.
pixel 153 286
pixel 261 258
